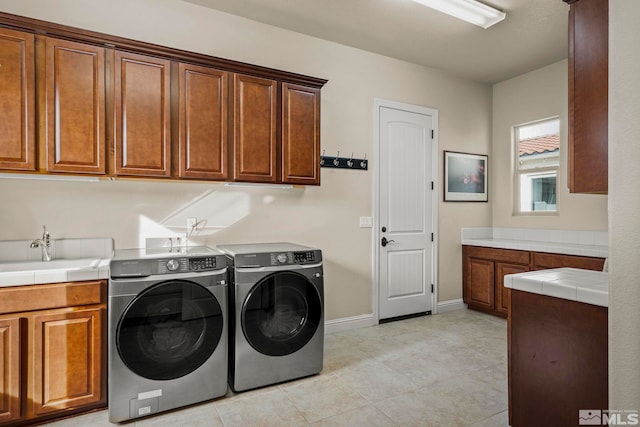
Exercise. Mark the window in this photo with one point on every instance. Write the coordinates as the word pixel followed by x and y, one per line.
pixel 537 148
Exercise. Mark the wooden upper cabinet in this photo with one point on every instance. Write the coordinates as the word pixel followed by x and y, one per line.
pixel 254 129
pixel 17 101
pixel 300 134
pixel 143 115
pixel 202 117
pixel 588 95
pixel 75 107
pixel 10 372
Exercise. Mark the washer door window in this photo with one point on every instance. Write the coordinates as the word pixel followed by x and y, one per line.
pixel 281 313
pixel 169 330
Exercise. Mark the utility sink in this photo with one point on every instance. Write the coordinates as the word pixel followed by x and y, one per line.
pixel 56 264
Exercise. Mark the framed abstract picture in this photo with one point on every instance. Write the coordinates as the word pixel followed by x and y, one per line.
pixel 465 177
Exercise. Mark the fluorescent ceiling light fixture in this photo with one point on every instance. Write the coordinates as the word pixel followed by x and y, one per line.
pixel 468 10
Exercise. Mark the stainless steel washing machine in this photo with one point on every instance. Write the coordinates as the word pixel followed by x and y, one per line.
pixel 167 330
pixel 276 313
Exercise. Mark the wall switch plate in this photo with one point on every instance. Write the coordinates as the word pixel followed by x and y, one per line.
pixel 366 222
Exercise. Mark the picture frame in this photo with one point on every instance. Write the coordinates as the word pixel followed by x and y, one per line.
pixel 465 177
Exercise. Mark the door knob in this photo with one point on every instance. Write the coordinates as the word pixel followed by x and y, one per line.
pixel 385 242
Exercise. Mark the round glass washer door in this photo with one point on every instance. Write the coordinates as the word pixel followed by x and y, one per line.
pixel 169 330
pixel 281 313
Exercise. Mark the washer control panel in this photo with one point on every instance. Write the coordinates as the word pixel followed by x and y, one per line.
pixel 185 265
pixel 283 258
pixel 202 263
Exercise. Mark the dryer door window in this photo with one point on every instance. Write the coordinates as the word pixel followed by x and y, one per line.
pixel 169 330
pixel 281 313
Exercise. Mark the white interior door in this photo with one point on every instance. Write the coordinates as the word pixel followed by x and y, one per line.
pixel 405 261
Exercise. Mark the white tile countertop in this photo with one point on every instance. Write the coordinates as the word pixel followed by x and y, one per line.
pixel 567 242
pixel 73 260
pixel 591 287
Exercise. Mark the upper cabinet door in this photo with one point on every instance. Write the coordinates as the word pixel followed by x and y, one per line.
pixel 202 122
pixel 254 132
pixel 17 101
pixel 588 96
pixel 143 115
pixel 300 135
pixel 75 107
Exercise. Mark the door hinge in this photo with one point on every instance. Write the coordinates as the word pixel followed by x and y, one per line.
pixel 432 237
pixel 432 185
pixel 432 288
pixel 432 134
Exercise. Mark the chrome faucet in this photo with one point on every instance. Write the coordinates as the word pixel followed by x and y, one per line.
pixel 43 243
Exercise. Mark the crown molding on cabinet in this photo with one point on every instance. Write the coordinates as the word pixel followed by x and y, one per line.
pixel 37 26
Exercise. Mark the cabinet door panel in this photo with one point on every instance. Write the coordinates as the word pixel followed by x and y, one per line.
pixel 10 370
pixel 479 283
pixel 143 115
pixel 75 91
pixel 254 134
pixel 202 121
pixel 67 360
pixel 17 101
pixel 300 135
pixel 588 96
pixel 502 293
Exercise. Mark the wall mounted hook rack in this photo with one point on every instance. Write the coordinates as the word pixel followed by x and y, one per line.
pixel 344 162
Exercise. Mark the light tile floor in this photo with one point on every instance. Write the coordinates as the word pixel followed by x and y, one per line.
pixel 443 370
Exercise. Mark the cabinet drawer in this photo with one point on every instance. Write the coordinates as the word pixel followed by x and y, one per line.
pixel 57 295
pixel 543 261
pixel 506 255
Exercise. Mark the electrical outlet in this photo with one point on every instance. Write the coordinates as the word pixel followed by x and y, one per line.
pixel 192 224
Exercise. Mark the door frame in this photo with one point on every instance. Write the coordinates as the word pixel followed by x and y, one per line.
pixel 377 104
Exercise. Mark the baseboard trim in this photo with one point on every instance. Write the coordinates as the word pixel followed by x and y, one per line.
pixel 451 305
pixel 348 323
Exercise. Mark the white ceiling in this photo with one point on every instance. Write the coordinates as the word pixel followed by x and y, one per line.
pixel 533 35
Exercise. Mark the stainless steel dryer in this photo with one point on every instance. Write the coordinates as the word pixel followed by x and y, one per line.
pixel 167 330
pixel 276 313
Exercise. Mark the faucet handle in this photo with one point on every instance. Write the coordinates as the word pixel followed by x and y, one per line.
pixel 45 234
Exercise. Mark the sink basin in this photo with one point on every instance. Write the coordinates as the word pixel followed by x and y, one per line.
pixel 15 266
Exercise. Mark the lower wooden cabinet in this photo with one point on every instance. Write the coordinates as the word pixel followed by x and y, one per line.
pixel 483 271
pixel 558 360
pixel 53 360
pixel 10 356
pixel 483 277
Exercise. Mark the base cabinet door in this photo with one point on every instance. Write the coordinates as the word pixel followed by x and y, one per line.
pixel 67 360
pixel 479 283
pixel 10 370
pixel 17 101
pixel 502 293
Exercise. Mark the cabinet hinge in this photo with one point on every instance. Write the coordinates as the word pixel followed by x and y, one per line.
pixel 432 287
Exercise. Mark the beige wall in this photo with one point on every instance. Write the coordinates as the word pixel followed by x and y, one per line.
pixel 533 96
pixel 624 205
pixel 325 217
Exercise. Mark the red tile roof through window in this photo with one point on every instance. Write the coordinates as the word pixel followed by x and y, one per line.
pixel 540 144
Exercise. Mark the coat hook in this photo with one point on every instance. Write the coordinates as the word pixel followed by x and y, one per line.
pixel 350 161
pixel 336 162
pixel 363 163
